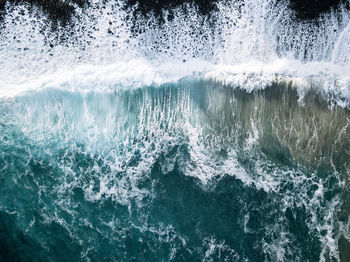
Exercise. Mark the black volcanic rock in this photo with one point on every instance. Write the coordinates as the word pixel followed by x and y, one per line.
pixel 304 9
pixel 57 10
pixel 2 4
pixel 311 9
pixel 62 10
pixel 157 6
pixel 2 9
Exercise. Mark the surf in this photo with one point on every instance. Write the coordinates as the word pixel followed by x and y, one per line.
pixel 197 137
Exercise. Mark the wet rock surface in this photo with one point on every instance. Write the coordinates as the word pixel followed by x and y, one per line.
pixel 311 9
pixel 57 10
pixel 63 10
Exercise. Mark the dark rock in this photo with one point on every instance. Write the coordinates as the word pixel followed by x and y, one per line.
pixel 156 7
pixel 57 10
pixel 2 4
pixel 2 8
pixel 311 9
pixel 63 10
pixel 304 9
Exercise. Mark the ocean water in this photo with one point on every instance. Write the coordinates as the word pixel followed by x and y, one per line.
pixel 200 139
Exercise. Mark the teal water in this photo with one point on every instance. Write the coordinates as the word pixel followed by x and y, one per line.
pixel 190 171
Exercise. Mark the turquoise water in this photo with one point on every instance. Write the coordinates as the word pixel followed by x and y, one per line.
pixel 188 171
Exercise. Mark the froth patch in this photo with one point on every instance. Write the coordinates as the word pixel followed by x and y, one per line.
pixel 330 79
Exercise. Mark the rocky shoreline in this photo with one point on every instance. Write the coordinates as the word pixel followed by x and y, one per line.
pixel 63 10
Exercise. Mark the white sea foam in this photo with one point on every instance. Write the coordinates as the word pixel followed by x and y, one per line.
pixel 250 46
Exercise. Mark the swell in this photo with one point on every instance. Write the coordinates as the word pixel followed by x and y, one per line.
pixel 121 158
pixel 307 128
pixel 135 124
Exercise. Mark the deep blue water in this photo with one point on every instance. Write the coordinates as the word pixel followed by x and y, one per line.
pixel 191 171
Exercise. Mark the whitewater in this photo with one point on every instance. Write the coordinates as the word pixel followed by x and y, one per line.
pixel 221 137
pixel 255 44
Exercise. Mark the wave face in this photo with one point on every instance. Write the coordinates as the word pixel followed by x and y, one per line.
pixel 215 138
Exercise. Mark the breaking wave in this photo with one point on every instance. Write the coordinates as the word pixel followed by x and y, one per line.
pixel 249 44
pixel 221 137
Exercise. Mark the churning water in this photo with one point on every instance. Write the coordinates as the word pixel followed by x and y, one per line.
pixel 213 138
